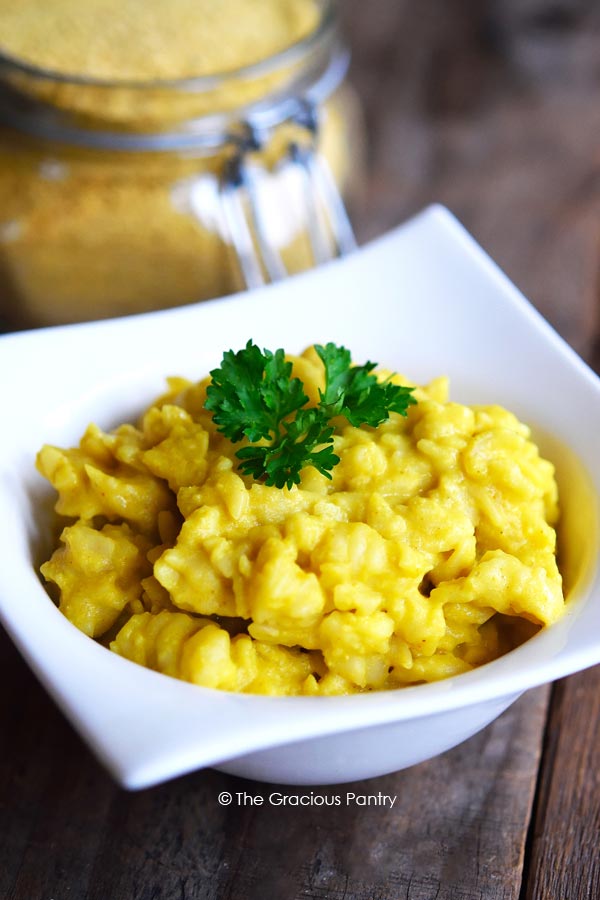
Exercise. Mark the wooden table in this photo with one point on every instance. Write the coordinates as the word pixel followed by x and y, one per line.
pixel 492 108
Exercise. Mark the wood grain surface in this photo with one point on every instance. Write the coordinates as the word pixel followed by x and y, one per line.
pixel 493 108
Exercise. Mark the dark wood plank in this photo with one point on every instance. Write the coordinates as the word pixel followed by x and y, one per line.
pixel 565 845
pixel 456 831
pixel 53 796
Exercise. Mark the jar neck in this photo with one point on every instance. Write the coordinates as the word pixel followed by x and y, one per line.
pixel 197 115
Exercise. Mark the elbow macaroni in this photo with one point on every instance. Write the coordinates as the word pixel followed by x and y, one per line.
pixel 431 551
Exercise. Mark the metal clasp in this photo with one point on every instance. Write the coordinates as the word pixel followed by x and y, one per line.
pixel 326 220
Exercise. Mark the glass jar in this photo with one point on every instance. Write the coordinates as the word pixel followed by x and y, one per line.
pixel 124 196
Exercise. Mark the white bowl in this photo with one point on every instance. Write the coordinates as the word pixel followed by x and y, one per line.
pixel 424 300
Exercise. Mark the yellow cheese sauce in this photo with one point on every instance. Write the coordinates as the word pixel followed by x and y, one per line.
pixel 431 551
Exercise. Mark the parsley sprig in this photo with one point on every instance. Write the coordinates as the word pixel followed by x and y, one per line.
pixel 252 395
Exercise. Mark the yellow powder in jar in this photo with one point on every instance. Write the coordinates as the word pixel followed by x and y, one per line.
pixel 165 39
pixel 89 233
pixel 98 55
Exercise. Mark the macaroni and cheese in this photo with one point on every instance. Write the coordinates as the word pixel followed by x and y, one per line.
pixel 430 551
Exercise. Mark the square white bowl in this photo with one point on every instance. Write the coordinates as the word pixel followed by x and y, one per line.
pixel 424 300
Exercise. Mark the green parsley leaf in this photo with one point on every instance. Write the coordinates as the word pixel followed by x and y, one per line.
pixel 252 392
pixel 280 463
pixel 356 394
pixel 252 395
